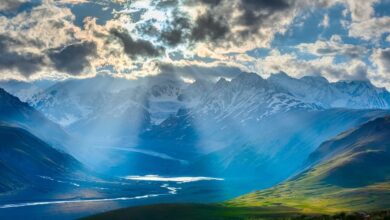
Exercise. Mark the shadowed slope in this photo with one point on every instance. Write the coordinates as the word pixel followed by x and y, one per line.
pixel 25 159
pixel 15 112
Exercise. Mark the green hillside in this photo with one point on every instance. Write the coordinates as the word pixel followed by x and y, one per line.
pixel 353 175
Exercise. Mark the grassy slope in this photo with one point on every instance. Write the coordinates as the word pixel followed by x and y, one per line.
pixel 356 176
pixel 310 195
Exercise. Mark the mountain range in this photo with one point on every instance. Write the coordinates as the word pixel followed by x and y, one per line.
pixel 163 96
pixel 239 128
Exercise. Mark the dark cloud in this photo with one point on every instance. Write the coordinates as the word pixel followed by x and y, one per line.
pixel 177 32
pixel 26 63
pixel 384 58
pixel 260 13
pixel 73 59
pixel 217 25
pixel 207 2
pixel 359 73
pixel 136 48
pixel 166 3
pixel 209 27
pixel 335 48
pixel 11 8
pixel 148 29
pixel 385 55
pixel 11 5
pixel 254 5
pixel 257 11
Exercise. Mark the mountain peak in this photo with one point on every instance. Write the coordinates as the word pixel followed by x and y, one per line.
pixel 222 80
pixel 249 79
pixel 4 92
pixel 248 75
pixel 366 83
pixel 7 99
pixel 315 79
pixel 280 74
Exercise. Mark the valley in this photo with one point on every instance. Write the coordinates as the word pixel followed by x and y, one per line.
pixel 355 180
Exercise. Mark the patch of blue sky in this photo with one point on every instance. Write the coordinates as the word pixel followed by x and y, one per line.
pixel 258 52
pixel 335 23
pixel 204 59
pixel 304 29
pixel 25 7
pixel 382 9
pixel 288 50
pixel 137 15
pixel 301 55
pixel 356 41
pixel 175 56
pixel 383 42
pixel 380 43
pixel 105 69
pixel 340 59
pixel 305 56
pixel 307 28
pixel 366 59
pixel 102 12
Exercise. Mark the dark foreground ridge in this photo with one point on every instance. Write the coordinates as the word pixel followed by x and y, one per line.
pixel 219 212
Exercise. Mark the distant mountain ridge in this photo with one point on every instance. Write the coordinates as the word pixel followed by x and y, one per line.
pixel 24 90
pixel 164 96
pixel 342 94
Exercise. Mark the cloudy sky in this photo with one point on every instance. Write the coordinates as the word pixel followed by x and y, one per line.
pixel 58 39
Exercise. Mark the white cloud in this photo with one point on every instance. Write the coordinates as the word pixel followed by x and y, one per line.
pixel 43 27
pixel 333 47
pixel 324 66
pixel 381 72
pixel 361 10
pixel 371 29
pixel 381 59
pixel 325 21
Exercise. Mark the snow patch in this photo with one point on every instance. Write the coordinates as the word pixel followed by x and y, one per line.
pixel 172 179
